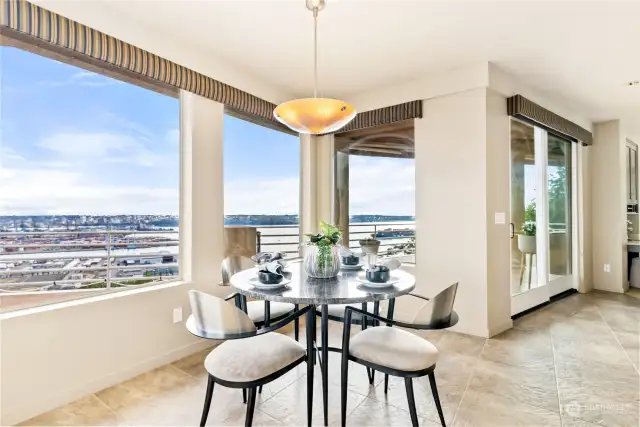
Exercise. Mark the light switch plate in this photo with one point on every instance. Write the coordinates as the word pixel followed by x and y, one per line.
pixel 607 268
pixel 177 315
pixel 500 218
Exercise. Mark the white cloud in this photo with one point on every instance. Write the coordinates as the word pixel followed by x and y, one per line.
pixel 110 147
pixel 172 136
pixel 378 186
pixel 8 154
pixel 255 197
pixel 40 191
pixel 82 78
pixel 381 185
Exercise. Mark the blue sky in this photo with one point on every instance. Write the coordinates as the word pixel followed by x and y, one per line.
pixel 76 142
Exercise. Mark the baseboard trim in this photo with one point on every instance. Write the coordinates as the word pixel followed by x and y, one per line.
pixel 553 299
pixel 62 397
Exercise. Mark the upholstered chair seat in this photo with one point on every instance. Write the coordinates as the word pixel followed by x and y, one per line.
pixel 255 310
pixel 394 348
pixel 253 358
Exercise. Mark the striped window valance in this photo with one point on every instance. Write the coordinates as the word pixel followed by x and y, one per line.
pixel 19 18
pixel 522 108
pixel 49 31
pixel 382 116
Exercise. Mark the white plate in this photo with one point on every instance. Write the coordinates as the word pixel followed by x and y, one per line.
pixel 351 267
pixel 392 281
pixel 259 285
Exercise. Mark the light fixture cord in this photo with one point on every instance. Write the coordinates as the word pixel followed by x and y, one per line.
pixel 315 52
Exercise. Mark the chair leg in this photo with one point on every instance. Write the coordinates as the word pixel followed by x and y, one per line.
pixel 408 383
pixel 390 310
pixel 436 398
pixel 324 331
pixel 311 314
pixel 344 380
pixel 363 324
pixel 522 266
pixel 260 390
pixel 371 374
pixel 251 405
pixel 530 269
pixel 207 401
pixel 244 395
pixel 296 324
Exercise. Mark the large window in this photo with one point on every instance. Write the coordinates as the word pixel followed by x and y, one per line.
pixel 381 187
pixel 261 184
pixel 89 173
pixel 382 203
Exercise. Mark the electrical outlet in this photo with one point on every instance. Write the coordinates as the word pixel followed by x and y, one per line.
pixel 177 315
pixel 607 268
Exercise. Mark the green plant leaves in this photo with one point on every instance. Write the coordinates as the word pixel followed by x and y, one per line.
pixel 329 235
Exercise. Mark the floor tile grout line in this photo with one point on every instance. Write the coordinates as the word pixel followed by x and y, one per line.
pixel 109 408
pixel 555 370
pixel 464 393
pixel 617 340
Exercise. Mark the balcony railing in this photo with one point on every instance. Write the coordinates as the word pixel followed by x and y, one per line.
pixel 34 261
pixel 85 260
pixel 394 237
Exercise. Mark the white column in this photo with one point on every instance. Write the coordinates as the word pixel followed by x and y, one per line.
pixel 608 206
pixel 202 190
pixel 462 180
pixel 316 181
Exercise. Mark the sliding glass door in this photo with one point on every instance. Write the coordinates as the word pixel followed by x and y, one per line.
pixel 542 215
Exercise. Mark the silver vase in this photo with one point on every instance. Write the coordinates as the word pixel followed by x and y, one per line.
pixel 321 267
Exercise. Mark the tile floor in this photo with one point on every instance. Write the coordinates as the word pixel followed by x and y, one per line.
pixel 573 363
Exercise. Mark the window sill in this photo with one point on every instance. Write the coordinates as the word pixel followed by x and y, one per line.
pixel 89 300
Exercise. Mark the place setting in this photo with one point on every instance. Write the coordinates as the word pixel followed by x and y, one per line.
pixel 380 274
pixel 271 271
pixel 350 261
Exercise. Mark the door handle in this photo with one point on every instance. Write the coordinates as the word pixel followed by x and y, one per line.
pixel 513 230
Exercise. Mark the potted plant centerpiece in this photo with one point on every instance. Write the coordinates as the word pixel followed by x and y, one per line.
pixel 322 254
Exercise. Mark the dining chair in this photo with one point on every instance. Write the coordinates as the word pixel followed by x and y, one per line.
pixel 336 313
pixel 250 357
pixel 397 352
pixel 257 311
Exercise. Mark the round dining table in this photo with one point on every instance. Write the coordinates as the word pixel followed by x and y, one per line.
pixel 346 288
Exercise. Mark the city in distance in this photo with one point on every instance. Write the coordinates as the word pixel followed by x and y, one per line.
pixel 15 223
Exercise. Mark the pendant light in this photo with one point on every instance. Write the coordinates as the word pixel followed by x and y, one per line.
pixel 315 115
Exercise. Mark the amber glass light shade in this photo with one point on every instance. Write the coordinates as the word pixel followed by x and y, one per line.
pixel 314 115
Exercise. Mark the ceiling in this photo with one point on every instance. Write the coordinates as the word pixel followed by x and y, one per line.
pixel 581 51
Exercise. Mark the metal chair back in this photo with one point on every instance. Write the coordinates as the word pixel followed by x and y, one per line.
pixel 215 318
pixel 234 264
pixel 437 311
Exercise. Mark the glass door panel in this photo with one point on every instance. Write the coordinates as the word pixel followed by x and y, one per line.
pixel 560 210
pixel 523 208
pixel 542 216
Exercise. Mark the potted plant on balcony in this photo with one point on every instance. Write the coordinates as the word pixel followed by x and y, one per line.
pixel 527 239
pixel 370 245
pixel 322 255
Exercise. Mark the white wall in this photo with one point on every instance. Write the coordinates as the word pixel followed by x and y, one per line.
pixel 431 86
pixel 608 206
pixel 55 354
pixel 97 15
pixel 461 138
